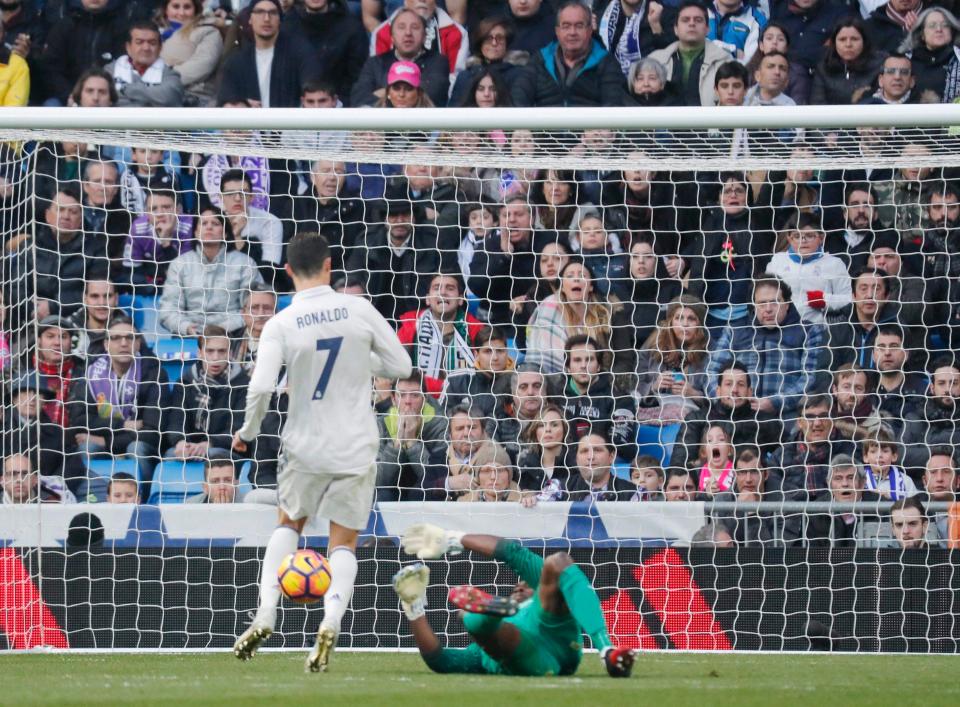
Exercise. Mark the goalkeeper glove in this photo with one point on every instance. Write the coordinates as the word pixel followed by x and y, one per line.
pixel 428 542
pixel 618 661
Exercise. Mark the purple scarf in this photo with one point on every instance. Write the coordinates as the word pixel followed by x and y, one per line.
pixel 115 397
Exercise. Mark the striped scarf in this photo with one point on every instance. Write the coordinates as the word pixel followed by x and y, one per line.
pixel 628 48
pixel 895 478
pixel 435 358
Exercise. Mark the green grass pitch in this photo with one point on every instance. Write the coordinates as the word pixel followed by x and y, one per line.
pixel 668 680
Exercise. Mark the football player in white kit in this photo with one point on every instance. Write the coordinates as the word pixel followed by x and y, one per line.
pixel 332 346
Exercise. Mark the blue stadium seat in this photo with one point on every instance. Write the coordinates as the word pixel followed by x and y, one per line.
pixel 108 467
pixel 174 481
pixel 621 469
pixel 657 441
pixel 174 353
pixel 473 303
pixel 283 301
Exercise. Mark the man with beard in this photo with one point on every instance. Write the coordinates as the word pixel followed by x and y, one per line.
pixel 908 523
pixel 940 484
pixel 803 463
pixel 596 480
pixel 939 255
pixel 732 403
pixel 846 481
pixel 860 217
pixel 589 402
pixel 853 331
pixel 750 485
pixel 900 390
pixel 939 421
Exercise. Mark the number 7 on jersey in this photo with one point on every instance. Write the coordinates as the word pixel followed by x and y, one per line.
pixel 332 346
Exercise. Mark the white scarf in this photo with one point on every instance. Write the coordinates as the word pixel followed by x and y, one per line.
pixel 895 477
pixel 432 357
pixel 123 73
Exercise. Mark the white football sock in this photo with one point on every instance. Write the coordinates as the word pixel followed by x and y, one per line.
pixel 283 541
pixel 343 567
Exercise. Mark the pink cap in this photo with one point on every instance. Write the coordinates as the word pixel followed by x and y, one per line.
pixel 405 71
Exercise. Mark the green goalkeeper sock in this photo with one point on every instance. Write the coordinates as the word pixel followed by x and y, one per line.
pixel 584 605
pixel 455 660
pixel 481 624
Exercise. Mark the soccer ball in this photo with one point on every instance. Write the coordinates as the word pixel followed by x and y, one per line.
pixel 304 576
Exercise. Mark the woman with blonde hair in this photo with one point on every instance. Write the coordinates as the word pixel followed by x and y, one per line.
pixel 574 309
pixel 192 44
pixel 671 366
pixel 543 467
pixel 493 476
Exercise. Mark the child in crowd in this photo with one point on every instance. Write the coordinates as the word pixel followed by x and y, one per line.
pixel 716 459
pixel 648 476
pixel 880 457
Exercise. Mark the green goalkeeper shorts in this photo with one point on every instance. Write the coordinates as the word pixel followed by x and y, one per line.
pixel 549 645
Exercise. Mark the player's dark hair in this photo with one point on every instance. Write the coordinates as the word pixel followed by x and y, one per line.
pixel 880 273
pixel 307 253
pixel 692 3
pixel 456 276
pixel 734 366
pixel 601 430
pixel 576 341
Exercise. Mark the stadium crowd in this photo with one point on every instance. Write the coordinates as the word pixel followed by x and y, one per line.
pixel 794 331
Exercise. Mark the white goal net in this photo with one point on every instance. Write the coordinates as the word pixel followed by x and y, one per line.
pixel 709 352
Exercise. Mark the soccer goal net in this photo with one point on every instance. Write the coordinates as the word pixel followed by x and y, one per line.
pixel 708 352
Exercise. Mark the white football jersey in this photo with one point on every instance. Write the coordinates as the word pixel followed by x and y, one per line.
pixel 332 345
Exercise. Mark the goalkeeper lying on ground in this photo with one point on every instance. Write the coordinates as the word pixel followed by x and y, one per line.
pixel 537 631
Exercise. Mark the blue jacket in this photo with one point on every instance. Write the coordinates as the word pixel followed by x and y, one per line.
pixel 782 362
pixel 737 32
pixel 599 81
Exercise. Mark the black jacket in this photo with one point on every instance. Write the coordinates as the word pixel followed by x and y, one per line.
pixel 79 41
pixel 599 82
pixel 206 410
pixel 600 405
pixel 341 220
pixel 337 37
pixel 434 77
pixel 884 33
pixel 506 70
pixel 471 388
pixel 498 277
pixel 749 427
pixel 617 489
pixel 934 425
pixel 293 64
pixel 533 33
pixel 833 529
pixel 61 268
pixel 849 342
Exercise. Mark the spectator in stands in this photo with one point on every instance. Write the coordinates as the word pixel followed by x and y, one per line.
pixel 672 364
pixel 476 220
pixel 575 309
pixel 940 485
pixel 119 400
pixel 895 83
pixel 507 265
pixel 61 164
pixel 14 74
pixel 939 259
pixel 489 55
pixel 62 258
pixel 595 480
pixel 880 455
pixel 733 250
pixel 556 201
pixel 589 399
pixel 91 34
pixel 412 433
pixel 253 169
pixel 54 362
pixel 26 425
pixel 919 301
pixel 441 335
pixel 901 199
pixel 258 304
pixel 207 284
pixel 775 37
pixel 403 88
pixel 250 223
pixel 939 421
pixel 192 46
pixel 852 333
pixel 336 34
pixel 819 282
pixel 23 484
pixel 931 46
pixel 534 22
pixel 552 259
pixel 89 323
pixel 692 61
pixel 771 79
pixel 601 252
pixel 451 37
pixel 219 482
pixel 855 414
pixel 408 31
pixel 94 89
pixel 900 390
pixel 861 223
pixel 749 486
pixel 543 462
pixel 401 257
pixel 714 465
pixel 809 23
pixel 846 481
pixel 206 407
pixel 269 71
pixel 103 211
pixel 475 387
pixel 647 474
pixel 316 93
pixel 333 209
pixel 679 485
pixel 123 488
pixel 735 25
pixel 518 410
pixel 908 523
pixel 890 23
pixel 574 70
pixel 141 77
pixel 629 29
pixel 465 432
pixel 26 30
pixel 849 66
pixel 146 170
pixel 493 476
pixel 647 85
pixel 732 404
pixel 730 83
pixel 802 464
pixel 159 236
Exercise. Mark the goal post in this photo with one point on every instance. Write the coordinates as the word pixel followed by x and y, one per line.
pixel 615 259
